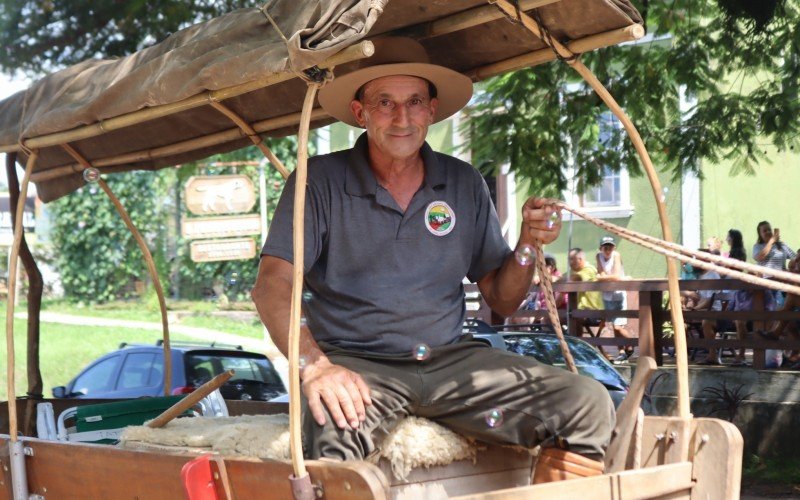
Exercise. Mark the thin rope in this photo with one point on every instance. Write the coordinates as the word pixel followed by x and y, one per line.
pixel 550 300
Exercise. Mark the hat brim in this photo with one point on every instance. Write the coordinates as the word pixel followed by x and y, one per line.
pixel 454 90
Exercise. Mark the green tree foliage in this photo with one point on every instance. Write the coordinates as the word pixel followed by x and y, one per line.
pixel 98 258
pixel 739 69
pixel 40 36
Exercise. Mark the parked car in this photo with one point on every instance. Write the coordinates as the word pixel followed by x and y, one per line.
pixel 546 348
pixel 135 371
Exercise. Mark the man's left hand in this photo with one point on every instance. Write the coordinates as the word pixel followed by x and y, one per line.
pixel 538 221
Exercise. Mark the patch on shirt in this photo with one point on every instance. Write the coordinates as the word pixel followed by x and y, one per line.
pixel 439 218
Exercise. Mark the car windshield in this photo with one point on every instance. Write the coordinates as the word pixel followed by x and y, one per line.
pixel 547 349
pixel 202 367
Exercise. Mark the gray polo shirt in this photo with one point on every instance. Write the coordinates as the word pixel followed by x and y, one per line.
pixel 379 279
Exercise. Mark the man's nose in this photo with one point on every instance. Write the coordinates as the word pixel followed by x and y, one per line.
pixel 400 115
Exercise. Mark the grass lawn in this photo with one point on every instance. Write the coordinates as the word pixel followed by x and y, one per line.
pixel 771 477
pixel 196 314
pixel 65 349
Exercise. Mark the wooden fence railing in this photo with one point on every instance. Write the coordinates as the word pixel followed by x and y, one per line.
pixel 645 309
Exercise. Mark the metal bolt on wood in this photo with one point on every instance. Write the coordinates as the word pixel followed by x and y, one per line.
pixel 659 436
pixel 28 451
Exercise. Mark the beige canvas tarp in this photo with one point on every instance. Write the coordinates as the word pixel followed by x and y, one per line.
pixel 244 46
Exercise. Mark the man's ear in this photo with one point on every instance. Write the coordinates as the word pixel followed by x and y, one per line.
pixel 357 108
pixel 434 106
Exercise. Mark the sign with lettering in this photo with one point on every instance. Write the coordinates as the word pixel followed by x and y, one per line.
pixel 216 250
pixel 221 227
pixel 220 194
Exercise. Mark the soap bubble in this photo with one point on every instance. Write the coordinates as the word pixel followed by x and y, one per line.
pixel 302 362
pixel 303 322
pixel 664 193
pixel 307 296
pixel 91 174
pixel 81 224
pixel 525 255
pixel 494 417
pixel 552 220
pixel 421 352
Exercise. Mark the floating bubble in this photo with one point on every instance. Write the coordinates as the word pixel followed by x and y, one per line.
pixel 525 255
pixel 302 362
pixel 81 224
pixel 91 174
pixel 421 352
pixel 552 220
pixel 664 193
pixel 307 296
pixel 494 417
pixel 303 322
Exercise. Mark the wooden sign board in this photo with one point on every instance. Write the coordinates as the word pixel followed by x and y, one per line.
pixel 216 250
pixel 220 194
pixel 229 226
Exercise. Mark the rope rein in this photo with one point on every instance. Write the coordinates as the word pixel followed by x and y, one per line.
pixel 723 265
pixel 550 300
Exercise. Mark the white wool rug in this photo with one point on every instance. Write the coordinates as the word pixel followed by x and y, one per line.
pixel 415 442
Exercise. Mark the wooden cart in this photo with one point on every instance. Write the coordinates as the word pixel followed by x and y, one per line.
pixel 223 84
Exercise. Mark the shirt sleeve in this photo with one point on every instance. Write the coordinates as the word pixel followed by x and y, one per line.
pixel 756 249
pixel 280 238
pixel 789 252
pixel 489 249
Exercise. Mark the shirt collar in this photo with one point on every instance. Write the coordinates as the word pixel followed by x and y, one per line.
pixel 361 181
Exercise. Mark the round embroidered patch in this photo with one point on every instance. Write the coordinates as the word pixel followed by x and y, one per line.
pixel 439 218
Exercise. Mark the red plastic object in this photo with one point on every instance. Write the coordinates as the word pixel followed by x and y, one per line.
pixel 198 479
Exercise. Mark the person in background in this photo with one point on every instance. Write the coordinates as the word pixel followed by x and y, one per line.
pixel 792 303
pixel 536 301
pixel 714 245
pixel 771 252
pixel 712 300
pixel 580 270
pixel 742 299
pixel 609 267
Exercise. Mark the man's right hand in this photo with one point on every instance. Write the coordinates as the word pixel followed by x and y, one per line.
pixel 344 392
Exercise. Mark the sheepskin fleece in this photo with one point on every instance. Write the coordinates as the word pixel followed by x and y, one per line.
pixel 415 442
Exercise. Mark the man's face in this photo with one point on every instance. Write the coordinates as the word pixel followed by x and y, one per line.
pixel 396 111
pixel 575 261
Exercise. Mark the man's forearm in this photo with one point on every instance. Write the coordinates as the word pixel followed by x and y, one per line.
pixel 507 287
pixel 272 297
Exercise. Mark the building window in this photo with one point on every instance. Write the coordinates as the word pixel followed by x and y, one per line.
pixel 611 199
pixel 608 193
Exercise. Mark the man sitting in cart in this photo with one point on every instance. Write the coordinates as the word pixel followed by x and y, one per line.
pixel 391 230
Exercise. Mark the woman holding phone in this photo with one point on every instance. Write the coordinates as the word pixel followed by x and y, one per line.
pixel 771 252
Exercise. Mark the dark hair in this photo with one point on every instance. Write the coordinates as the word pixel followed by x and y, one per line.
pixel 431 90
pixel 550 261
pixel 737 245
pixel 758 230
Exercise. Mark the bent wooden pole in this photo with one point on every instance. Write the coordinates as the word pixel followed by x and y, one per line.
pixel 35 288
pixel 627 413
pixel 301 483
pixel 148 260
pixel 19 481
pixel 190 400
pixel 641 150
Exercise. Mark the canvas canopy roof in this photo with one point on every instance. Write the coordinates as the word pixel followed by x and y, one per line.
pixel 154 109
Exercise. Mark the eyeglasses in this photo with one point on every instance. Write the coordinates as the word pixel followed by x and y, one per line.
pixel 387 107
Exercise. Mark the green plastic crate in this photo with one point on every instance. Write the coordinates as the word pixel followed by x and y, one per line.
pixel 105 421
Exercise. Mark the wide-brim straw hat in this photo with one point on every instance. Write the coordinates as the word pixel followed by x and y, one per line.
pixel 396 56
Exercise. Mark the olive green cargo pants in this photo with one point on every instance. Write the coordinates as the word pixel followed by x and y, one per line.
pixel 457 386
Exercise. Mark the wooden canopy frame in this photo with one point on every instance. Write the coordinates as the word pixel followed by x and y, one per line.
pixel 687 437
